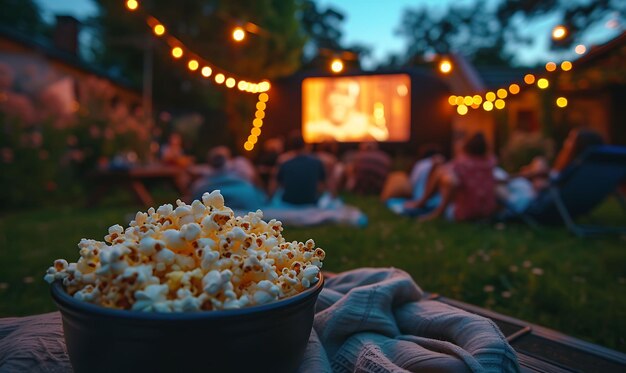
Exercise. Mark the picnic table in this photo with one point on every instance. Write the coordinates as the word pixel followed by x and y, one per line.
pixel 135 180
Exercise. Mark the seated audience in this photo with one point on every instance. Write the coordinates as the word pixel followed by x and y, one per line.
pixel 466 184
pixel 368 170
pixel 173 153
pixel 238 192
pixel 268 158
pixel 521 188
pixel 327 153
pixel 301 176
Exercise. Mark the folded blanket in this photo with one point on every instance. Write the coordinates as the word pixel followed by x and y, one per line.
pixel 367 320
pixel 374 320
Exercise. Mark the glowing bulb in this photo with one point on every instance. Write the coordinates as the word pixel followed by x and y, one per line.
pixel 159 30
pixel 252 139
pixel 257 122
pixel 206 71
pixel 559 32
pixel 242 85
pixel 502 93
pixel 543 83
pixel 445 66
pixel 514 89
pixel 219 78
pixel 467 100
pixel 248 146
pixel 230 82
pixel 488 105
pixel 193 65
pixel 500 104
pixel 239 34
pixel 132 4
pixel 177 52
pixel 550 66
pixel 452 100
pixel 561 102
pixel 461 109
pixel 529 78
pixel 566 66
pixel 336 65
pixel 256 131
pixel 263 97
pixel 264 86
pixel 261 105
pixel 580 49
pixel 259 114
pixel 460 100
pixel 477 100
pixel 490 96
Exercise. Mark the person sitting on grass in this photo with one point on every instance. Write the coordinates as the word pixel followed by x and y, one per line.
pixel 466 185
pixel 302 177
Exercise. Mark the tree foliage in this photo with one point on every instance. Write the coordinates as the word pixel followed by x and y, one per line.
pixel 491 34
pixel 24 15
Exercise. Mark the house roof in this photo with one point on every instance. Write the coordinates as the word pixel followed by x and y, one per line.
pixel 599 51
pixel 45 46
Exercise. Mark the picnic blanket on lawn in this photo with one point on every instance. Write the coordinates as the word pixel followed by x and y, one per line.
pixel 370 320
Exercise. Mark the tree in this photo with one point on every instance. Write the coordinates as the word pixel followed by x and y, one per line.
pixel 322 28
pixel 485 34
pixel 24 15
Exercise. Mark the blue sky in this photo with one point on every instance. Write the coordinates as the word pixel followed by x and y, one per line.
pixel 373 23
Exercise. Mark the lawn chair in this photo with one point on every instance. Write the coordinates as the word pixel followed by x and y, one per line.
pixel 579 188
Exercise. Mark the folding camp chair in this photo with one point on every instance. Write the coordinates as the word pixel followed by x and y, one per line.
pixel 579 188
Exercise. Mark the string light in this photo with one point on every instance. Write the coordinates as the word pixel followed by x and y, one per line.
pixel 561 102
pixel 550 66
pixel 529 78
pixel 445 66
pixel 566 66
pixel 543 83
pixel 580 49
pixel 514 89
pixel 502 93
pixel 132 5
pixel 230 82
pixel 260 105
pixel 500 104
pixel 206 71
pixel 264 86
pixel 477 100
pixel 248 146
pixel 467 100
pixel 559 32
pixel 252 139
pixel 490 96
pixel 459 100
pixel 193 65
pixel 461 109
pixel 177 52
pixel 452 100
pixel 256 131
pixel 336 65
pixel 488 105
pixel 263 97
pixel 159 29
pixel 257 122
pixel 219 78
pixel 239 34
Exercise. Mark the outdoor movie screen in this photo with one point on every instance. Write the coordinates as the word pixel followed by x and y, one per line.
pixel 356 108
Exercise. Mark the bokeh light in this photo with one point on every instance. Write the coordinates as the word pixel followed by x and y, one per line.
pixel 490 96
pixel 219 78
pixel 467 100
pixel 461 109
pixel 177 52
pixel 502 93
pixel 336 65
pixel 206 71
pixel 543 83
pixel 529 78
pixel 256 131
pixel 445 66
pixel 477 99
pixel 263 97
pixel 248 146
pixel 488 105
pixel 452 100
pixel 132 4
pixel 559 32
pixel 514 89
pixel 239 34
pixel 561 102
pixel 550 66
pixel 499 104
pixel 580 49
pixel 566 66
pixel 159 30
pixel 193 65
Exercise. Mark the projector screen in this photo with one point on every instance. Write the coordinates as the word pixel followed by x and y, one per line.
pixel 356 108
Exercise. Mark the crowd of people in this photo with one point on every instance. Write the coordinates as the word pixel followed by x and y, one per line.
pixel 293 173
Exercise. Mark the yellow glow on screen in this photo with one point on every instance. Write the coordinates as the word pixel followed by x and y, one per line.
pixel 356 108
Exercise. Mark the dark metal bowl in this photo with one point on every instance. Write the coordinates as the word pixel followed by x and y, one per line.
pixel 266 338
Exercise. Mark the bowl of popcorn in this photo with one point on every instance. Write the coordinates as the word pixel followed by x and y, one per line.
pixel 189 288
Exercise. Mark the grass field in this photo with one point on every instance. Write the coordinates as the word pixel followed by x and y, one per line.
pixel 548 277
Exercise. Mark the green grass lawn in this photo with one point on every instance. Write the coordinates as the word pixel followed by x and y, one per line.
pixel 548 277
